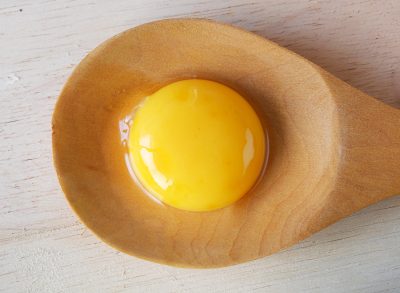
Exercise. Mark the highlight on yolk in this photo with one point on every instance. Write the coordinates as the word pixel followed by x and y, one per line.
pixel 196 145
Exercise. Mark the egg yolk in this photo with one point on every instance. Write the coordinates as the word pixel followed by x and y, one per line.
pixel 196 145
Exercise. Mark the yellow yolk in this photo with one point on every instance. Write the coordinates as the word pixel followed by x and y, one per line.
pixel 196 145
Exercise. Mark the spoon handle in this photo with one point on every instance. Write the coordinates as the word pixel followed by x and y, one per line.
pixel 370 143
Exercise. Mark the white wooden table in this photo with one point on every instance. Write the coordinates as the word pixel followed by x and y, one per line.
pixel 43 246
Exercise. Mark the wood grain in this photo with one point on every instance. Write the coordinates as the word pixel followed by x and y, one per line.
pixel 45 249
pixel 334 150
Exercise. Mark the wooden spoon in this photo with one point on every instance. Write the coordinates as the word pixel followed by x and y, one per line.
pixel 333 149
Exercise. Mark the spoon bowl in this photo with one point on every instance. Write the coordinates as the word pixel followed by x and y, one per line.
pixel 333 149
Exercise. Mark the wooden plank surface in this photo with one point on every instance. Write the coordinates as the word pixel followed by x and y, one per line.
pixel 44 248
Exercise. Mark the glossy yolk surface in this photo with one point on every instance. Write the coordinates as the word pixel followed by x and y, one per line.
pixel 196 145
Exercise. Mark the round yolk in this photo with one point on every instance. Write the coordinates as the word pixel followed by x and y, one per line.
pixel 196 145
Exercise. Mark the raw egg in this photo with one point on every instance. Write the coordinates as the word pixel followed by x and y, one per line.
pixel 196 145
